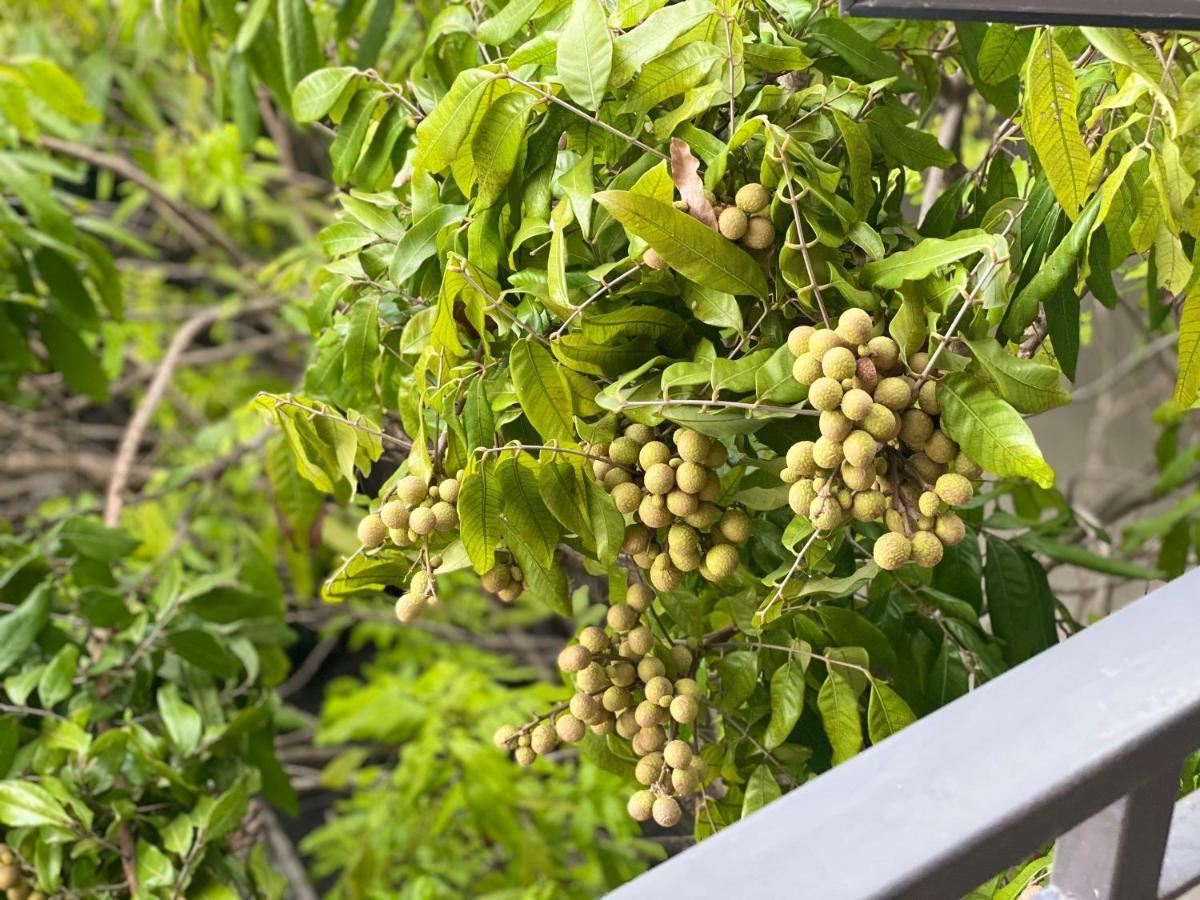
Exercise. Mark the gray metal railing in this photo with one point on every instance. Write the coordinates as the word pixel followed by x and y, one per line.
pixel 1083 743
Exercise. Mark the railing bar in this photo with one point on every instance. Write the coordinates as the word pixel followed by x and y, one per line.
pixel 1181 865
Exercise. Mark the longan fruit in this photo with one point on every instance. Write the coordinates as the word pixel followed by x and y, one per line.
pixel 570 729
pixel 659 479
pixel 838 363
pixel 800 497
pixel 411 489
pixel 884 352
pixel 685 781
pixel 928 503
pixel 692 446
pixel 854 326
pixel 624 451
pixel 394 514
pixel 940 448
pixel 639 433
pixel 732 223
pixel 641 803
pixel 722 560
pixel 797 340
pixel 543 739
pixel 926 549
pixel 834 424
pixel 503 736
pixel 822 341
pixel 859 449
pixel 735 526
pixel 682 504
pixel 954 489
pixel 806 369
pixel 856 404
pixel 445 516
pixel 627 497
pixel 964 466
pixel 868 506
pixel 684 709
pixel 637 538
pixel 691 477
pixel 915 428
pixel 825 394
pixel 649 740
pixel 895 393
pixel 717 456
pixel 666 811
pixel 622 617
pixel 653 511
pixel 752 198
pixel 648 769
pixel 879 422
pixel 371 531
pixel 408 608
pixel 525 756
pixel 422 520
pixel 800 458
pixel 760 233
pixel 949 528
pixel 891 551
pixel 825 513
pixel 641 640
pixel 927 397
pixel 677 754
pixel 652 453
pixel 640 597
pixel 857 478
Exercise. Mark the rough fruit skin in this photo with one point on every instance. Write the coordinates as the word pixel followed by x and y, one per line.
pixel 394 514
pixel 684 709
pixel 797 340
pixel 949 529
pixel 685 781
pixel 677 754
pixel 926 549
pixel 653 452
pixel 752 198
pixel 838 363
pixel 525 756
pixel 885 353
pixel 760 233
pixel 854 326
pixel 928 503
pixel 860 449
pixel 835 425
pixel 828 454
pixel 544 738
pixel 692 446
pixel 732 223
pixel 641 640
pixel 659 479
pixel 800 458
pixel 800 497
pixel 891 551
pixel 653 260
pixel 927 397
pixel 954 489
pixel 915 427
pixel 825 513
pixel 622 617
pixel 640 806
pixel 825 394
pixel 940 448
pixel 666 811
pixel 868 506
pixel 858 478
pixel 422 520
pixel 879 422
pixel 722 560
pixel 371 531
pixel 857 404
pixel 627 497
pixel 639 597
pixel 592 678
pixel 691 477
pixel 894 393
pixel 823 341
pixel 964 466
pixel 496 578
pixel 411 489
pixel 445 516
pixel 735 526
pixel 570 729
pixel 806 369
pixel 624 451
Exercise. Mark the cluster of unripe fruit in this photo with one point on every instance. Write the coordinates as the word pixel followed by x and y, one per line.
pixel 505 578
pixel 742 220
pixel 883 454
pixel 411 512
pixel 12 880
pixel 669 484
pixel 629 683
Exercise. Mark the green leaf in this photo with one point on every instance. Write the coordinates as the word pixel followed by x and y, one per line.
pixel 67 288
pixel 541 390
pixel 352 131
pixel 497 143
pixel 787 699
pixel 78 364
pixel 297 40
pixel 849 628
pixel 989 430
pixel 182 722
pixel 653 37
pixel 671 75
pixel 55 684
pixel 507 22
pixel 319 91
pixel 361 349
pixel 25 804
pixel 928 256
pixel 761 789
pixel 585 53
pixel 225 814
pixel 481 524
pixel 887 712
pixel 1029 385
pixel 524 509
pixel 202 649
pixel 154 868
pixel 691 248
pixel 739 678
pixel 838 704
pixel 1074 555
pixel 93 539
pixel 420 242
pixel 1051 123
pixel 1020 605
pixel 1188 382
pixel 1003 52
pixel 19 628
pixel 904 145
pixel 857 52
pixel 608 525
pixel 440 135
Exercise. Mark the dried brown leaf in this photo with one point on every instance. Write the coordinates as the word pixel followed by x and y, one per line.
pixel 685 172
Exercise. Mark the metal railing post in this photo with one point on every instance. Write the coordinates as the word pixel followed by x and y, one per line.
pixel 1118 852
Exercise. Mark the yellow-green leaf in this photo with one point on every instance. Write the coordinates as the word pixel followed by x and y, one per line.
pixel 441 133
pixel 540 388
pixel 1188 382
pixel 1051 123
pixel 1030 386
pixel 585 53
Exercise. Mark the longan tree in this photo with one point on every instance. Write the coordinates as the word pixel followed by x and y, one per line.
pixel 686 304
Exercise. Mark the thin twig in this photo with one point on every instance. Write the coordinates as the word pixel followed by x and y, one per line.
pixel 794 203
pixel 731 404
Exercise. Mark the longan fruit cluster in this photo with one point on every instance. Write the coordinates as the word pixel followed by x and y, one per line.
pixel 629 683
pixel 883 454
pixel 669 484
pixel 12 879
pixel 411 512
pixel 505 578
pixel 743 220
pixel 421 593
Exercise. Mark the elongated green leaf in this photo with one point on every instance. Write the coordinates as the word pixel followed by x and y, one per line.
pixel 739 677
pixel 480 501
pixel 904 145
pixel 508 20
pixel 776 58
pixel 420 242
pixel 319 91
pixel 19 628
pixel 1030 386
pixel 653 37
pixel 989 430
pixel 352 131
pixel 478 420
pixel 1123 46
pixel 181 720
pixel 928 256
pixel 362 348
pixel 25 804
pixel 1188 382
pixel 524 509
pixel 55 684
pixel 857 52
pixel 1020 604
pixel 497 143
pixel 761 789
pixel 692 249
pixel 787 700
pixel 1003 52
pixel 562 491
pixel 440 135
pixel 851 629
pixel 585 53
pixel 1074 555
pixel 297 40
pixel 608 525
pixel 887 712
pixel 671 75
pixel 1051 123
pixel 838 704
pixel 540 388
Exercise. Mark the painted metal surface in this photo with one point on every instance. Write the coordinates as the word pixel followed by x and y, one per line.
pixel 1156 14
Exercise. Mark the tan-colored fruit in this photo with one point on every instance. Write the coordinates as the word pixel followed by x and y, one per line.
pixel 895 393
pixel 825 394
pixel 627 725
pixel 569 729
pixel 687 687
pixel 822 341
pixel 828 454
pixel 592 678
pixel 760 233
pixel 940 448
pixel 639 433
pixel 411 489
pixel 705 517
pixel 624 451
pixel 722 560
pixel 639 596
pixel 622 617
pixel 854 326
pixel 866 376
pixel 543 739
pixel 422 520
pixel 660 478
pixel 640 806
pixel 860 449
pixel 915 428
pixel 717 456
pixel 641 640
pixel 621 673
pixel 735 526
pixel 891 551
pixel 732 223
pixel 445 516
pixel 660 690
pixel 503 736
pixel 653 260
pixel 949 528
pixel 838 363
pixel 885 352
pixel 926 549
pixel 627 497
pixel 868 506
pixel 918 361
pixel 603 726
pixel 800 458
pixel 856 404
pixel 408 608
pixel 653 511
pixel 666 811
pixel 806 369
pixel 691 477
pixel 614 477
pixel 800 497
pixel 371 531
pixel 616 699
pixel 797 340
pixel 826 513
pixel 637 538
pixel 684 709
pixel 593 640
pixel 834 425
pixel 525 756
pixel 652 453
pixel 752 197
pixel 927 397
pixel 585 707
pixel 683 537
pixel 964 466
pixel 448 489
pixel 880 422
pixel 925 467
pixel 681 657
pixel 649 740
pixel 954 489
pixel 677 754
pixel 928 503
pixel 685 781
pixel 394 514
pixel 858 478
pixel 648 713
pixel 648 769
pixel 692 446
